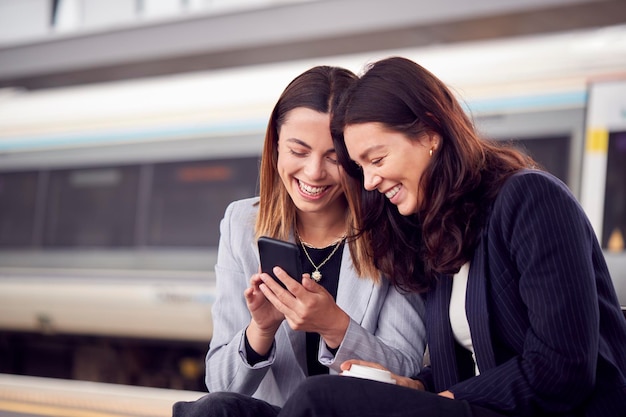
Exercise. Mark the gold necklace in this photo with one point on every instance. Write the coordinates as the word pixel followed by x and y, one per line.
pixel 317 275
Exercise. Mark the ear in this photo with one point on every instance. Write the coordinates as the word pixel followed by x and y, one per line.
pixel 435 140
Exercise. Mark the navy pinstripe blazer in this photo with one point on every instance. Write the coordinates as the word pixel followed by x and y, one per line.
pixel 548 332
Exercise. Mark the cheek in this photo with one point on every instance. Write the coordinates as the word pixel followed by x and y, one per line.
pixel 282 164
pixel 334 170
pixel 282 168
pixel 420 174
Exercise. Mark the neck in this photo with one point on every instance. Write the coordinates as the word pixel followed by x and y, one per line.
pixel 322 229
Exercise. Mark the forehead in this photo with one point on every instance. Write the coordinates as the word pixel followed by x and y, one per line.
pixel 306 127
pixel 363 136
pixel 302 116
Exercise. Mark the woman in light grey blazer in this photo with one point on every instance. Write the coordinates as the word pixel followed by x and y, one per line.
pixel 266 339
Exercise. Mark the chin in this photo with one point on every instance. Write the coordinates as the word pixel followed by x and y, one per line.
pixel 406 211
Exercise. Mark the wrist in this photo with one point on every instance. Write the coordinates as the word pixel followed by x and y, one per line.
pixel 260 340
pixel 335 335
pixel 418 385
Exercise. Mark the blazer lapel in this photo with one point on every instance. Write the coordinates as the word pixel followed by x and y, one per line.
pixel 353 292
pixel 298 345
pixel 439 334
pixel 476 308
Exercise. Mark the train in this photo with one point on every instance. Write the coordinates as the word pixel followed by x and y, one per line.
pixel 111 194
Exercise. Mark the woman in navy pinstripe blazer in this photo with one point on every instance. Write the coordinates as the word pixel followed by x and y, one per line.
pixel 521 315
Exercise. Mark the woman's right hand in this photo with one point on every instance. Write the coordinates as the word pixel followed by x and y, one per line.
pixel 266 319
pixel 264 314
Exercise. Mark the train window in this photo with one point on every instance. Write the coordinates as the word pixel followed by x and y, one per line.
pixel 93 207
pixel 188 199
pixel 614 225
pixel 551 153
pixel 18 196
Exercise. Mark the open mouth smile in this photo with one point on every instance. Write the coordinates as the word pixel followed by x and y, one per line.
pixel 391 193
pixel 311 190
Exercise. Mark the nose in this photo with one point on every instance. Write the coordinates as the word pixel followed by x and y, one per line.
pixel 370 180
pixel 315 169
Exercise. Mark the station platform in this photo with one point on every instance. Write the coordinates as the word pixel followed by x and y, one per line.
pixel 25 396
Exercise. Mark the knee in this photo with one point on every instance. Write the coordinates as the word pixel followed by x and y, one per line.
pixel 208 405
pixel 318 386
pixel 315 396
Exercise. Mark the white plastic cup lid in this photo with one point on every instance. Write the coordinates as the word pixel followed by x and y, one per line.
pixel 366 372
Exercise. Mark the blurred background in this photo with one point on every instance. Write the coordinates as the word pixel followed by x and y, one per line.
pixel 127 126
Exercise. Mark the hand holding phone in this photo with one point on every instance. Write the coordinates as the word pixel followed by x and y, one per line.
pixel 274 252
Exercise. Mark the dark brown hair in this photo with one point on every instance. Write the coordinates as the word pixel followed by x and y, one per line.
pixel 319 89
pixel 459 184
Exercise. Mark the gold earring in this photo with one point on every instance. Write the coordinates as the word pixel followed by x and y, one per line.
pixel 431 152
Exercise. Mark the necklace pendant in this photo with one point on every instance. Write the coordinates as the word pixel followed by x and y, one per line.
pixel 316 275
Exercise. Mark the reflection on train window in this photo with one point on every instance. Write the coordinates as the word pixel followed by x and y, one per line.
pixel 614 225
pixel 18 196
pixel 93 207
pixel 549 152
pixel 188 199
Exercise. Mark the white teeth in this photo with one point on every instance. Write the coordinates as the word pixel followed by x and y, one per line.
pixel 389 194
pixel 309 189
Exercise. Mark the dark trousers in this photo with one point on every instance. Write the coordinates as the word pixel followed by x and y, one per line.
pixel 334 396
pixel 338 396
pixel 225 404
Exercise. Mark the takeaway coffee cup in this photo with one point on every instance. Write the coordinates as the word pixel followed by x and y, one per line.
pixel 366 372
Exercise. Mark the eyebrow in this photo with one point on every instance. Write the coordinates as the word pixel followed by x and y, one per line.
pixel 306 145
pixel 365 154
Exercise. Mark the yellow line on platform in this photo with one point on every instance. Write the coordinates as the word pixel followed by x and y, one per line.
pixel 53 411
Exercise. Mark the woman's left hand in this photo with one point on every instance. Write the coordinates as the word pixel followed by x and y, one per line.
pixel 447 394
pixel 307 306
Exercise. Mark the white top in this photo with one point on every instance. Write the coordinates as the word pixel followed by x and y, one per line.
pixel 458 317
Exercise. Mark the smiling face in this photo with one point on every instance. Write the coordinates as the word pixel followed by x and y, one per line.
pixel 307 162
pixel 392 163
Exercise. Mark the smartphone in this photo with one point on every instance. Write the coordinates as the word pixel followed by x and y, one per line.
pixel 274 252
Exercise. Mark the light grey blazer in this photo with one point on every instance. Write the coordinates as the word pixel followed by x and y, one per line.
pixel 386 327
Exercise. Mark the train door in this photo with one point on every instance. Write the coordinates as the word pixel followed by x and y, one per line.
pixel 603 191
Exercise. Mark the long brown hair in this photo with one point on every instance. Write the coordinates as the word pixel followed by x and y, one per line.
pixel 319 89
pixel 459 184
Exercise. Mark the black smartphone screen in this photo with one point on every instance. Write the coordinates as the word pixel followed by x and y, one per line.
pixel 274 252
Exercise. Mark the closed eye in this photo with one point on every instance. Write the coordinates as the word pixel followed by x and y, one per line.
pixel 299 154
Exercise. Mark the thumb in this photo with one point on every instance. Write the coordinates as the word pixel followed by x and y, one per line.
pixel 309 284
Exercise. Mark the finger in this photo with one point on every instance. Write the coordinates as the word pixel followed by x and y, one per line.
pixel 309 284
pixel 345 366
pixel 351 362
pixel 268 282
pixel 254 298
pixel 283 300
pixel 290 283
pixel 255 280
pixel 249 293
pixel 268 293
pixel 273 291
pixel 273 299
pixel 272 284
